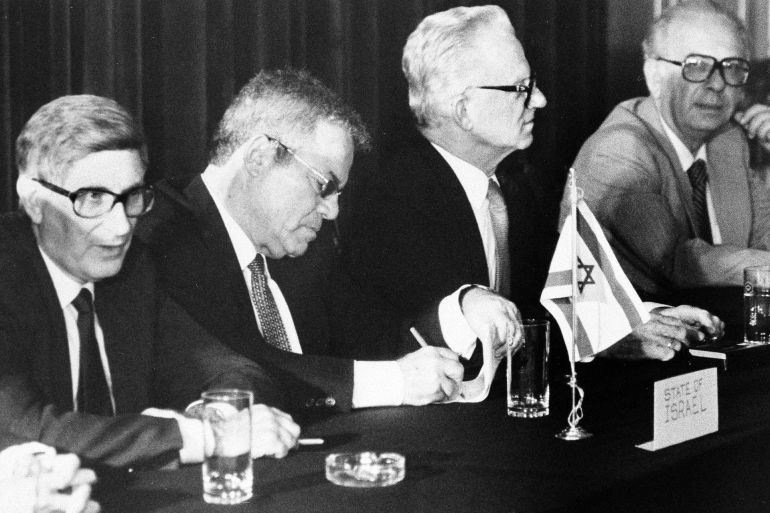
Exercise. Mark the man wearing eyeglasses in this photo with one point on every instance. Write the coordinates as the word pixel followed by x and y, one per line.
pixel 88 340
pixel 247 248
pixel 668 175
pixel 442 220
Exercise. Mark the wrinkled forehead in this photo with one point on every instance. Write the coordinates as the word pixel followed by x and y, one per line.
pixel 702 33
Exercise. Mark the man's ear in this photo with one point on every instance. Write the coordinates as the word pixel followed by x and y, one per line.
pixel 29 198
pixel 460 112
pixel 653 77
pixel 259 154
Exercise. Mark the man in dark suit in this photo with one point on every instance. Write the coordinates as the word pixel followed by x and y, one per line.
pixel 89 342
pixel 439 219
pixel 250 240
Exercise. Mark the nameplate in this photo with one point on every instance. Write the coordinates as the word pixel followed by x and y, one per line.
pixel 684 407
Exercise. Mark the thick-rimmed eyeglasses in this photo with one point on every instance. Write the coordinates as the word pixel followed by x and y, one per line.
pixel 516 88
pixel 91 202
pixel 699 68
pixel 327 186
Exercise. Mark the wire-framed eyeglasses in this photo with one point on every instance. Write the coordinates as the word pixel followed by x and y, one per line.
pixel 91 202
pixel 326 186
pixel 516 88
pixel 699 68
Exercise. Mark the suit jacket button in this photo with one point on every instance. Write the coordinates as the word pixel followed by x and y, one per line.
pixel 309 403
pixel 330 402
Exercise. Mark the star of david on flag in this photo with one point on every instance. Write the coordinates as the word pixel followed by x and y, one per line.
pixel 608 307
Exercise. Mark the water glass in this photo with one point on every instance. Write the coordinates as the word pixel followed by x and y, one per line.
pixel 527 372
pixel 227 467
pixel 756 304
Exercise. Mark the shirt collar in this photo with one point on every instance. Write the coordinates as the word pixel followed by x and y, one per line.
pixel 67 288
pixel 474 181
pixel 244 249
pixel 683 154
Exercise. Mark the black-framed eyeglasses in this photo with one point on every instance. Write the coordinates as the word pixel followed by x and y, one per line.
pixel 698 68
pixel 91 202
pixel 516 88
pixel 326 186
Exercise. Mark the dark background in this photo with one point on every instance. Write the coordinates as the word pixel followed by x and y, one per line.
pixel 177 63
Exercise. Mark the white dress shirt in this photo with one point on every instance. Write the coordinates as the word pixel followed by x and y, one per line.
pixel 686 159
pixel 375 383
pixel 67 289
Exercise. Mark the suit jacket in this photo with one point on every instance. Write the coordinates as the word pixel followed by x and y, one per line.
pixel 414 237
pixel 636 187
pixel 200 271
pixel 157 355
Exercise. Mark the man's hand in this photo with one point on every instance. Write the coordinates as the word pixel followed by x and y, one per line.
pixel 273 432
pixel 702 326
pixel 44 482
pixel 756 121
pixel 493 319
pixel 657 339
pixel 430 374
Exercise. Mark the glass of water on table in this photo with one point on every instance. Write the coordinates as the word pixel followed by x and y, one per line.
pixel 227 467
pixel 756 304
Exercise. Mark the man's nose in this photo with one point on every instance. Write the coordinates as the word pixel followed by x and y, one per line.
pixel 329 207
pixel 117 220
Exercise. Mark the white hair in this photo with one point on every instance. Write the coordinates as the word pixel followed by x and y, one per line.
pixel 436 57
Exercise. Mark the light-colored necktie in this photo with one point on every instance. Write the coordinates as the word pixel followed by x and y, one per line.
pixel 499 215
pixel 270 319
pixel 699 179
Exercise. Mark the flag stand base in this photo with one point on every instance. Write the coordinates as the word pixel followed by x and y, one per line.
pixel 574 433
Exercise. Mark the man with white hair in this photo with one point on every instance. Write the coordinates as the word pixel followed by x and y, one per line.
pixel 436 221
pixel 668 175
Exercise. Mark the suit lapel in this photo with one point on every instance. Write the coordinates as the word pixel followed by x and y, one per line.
pixel 649 114
pixel 218 264
pixel 52 351
pixel 453 201
pixel 729 188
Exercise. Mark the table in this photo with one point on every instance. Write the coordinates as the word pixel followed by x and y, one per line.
pixel 472 457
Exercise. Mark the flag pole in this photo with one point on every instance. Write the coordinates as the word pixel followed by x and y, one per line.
pixel 573 431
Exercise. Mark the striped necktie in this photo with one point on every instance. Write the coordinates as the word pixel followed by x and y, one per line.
pixel 699 179
pixel 269 318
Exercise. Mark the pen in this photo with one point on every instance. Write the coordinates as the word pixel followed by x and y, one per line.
pixel 418 337
pixel 310 441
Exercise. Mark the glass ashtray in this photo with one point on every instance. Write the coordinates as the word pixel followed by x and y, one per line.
pixel 365 469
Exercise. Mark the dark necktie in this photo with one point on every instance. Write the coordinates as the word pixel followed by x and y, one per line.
pixel 499 215
pixel 269 317
pixel 699 179
pixel 93 394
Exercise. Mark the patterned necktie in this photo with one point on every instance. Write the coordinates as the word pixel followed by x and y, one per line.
pixel 499 215
pixel 699 179
pixel 269 317
pixel 93 394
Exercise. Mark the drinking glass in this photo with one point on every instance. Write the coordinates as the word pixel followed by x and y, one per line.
pixel 227 468
pixel 527 372
pixel 756 304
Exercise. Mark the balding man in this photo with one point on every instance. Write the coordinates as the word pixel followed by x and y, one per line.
pixel 668 175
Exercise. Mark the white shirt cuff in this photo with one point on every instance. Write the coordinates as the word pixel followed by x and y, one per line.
pixel 651 306
pixel 191 431
pixel 457 334
pixel 377 383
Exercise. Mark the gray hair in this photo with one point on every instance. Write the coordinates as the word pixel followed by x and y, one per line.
pixel 279 102
pixel 658 30
pixel 70 128
pixel 436 58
